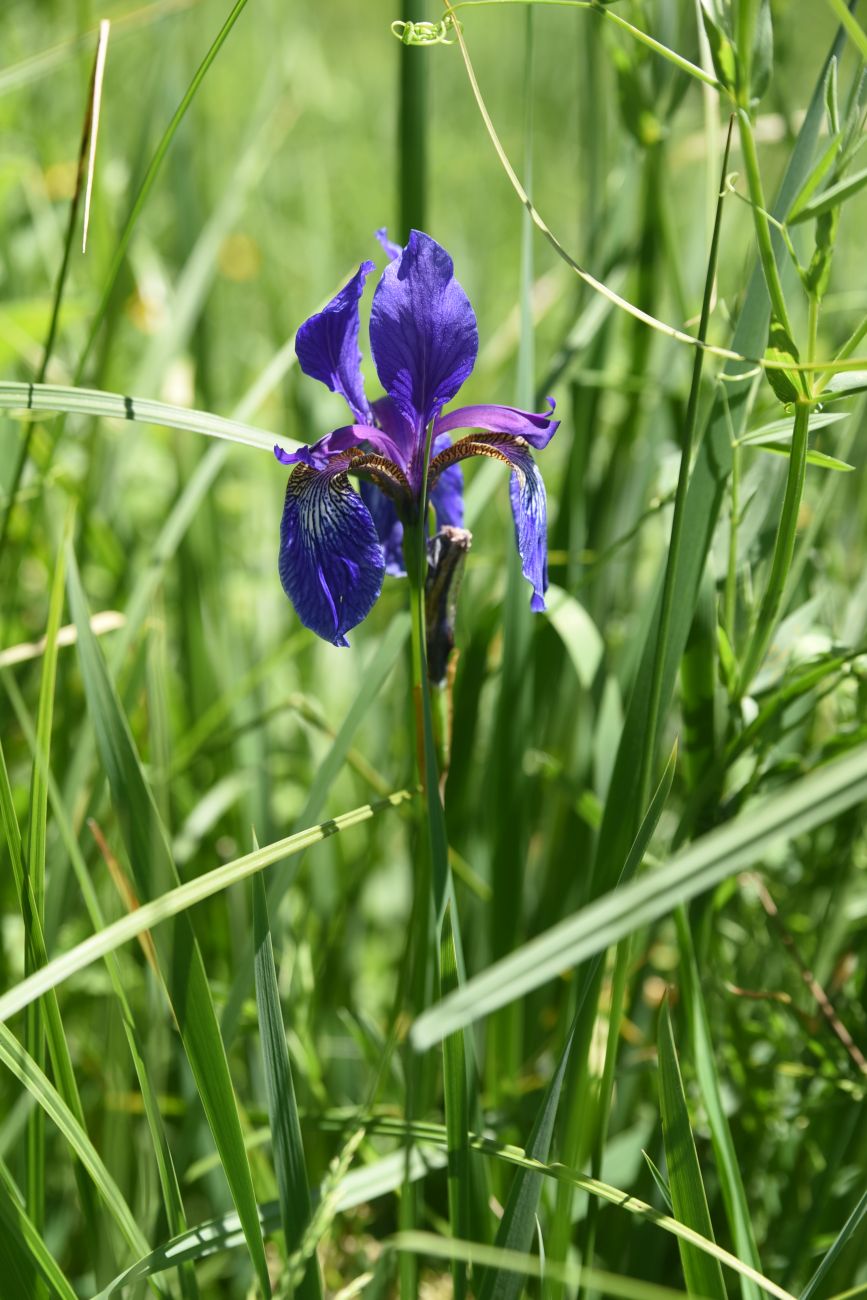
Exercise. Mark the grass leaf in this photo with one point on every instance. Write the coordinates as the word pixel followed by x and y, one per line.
pixel 288 1148
pixel 803 805
pixel 180 959
pixel 703 1275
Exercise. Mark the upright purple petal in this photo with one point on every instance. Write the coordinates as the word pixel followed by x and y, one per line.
pixel 537 430
pixel 327 345
pixel 423 332
pixel 447 493
pixel 331 564
pixel 389 529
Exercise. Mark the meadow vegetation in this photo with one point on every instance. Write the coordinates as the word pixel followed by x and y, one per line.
pixel 274 1017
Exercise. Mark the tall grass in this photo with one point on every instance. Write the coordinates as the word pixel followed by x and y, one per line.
pixel 274 1016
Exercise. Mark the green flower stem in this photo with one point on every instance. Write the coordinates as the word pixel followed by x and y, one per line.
pixel 731 587
pixel 745 24
pixel 434 828
pixel 783 549
pixel 412 129
pixel 763 229
pixel 444 936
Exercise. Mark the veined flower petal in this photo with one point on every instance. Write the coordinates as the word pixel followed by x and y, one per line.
pixel 422 332
pixel 331 564
pixel 537 430
pixel 327 345
pixel 318 455
pixel 527 495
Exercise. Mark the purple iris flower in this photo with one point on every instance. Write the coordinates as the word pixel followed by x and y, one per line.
pixel 336 544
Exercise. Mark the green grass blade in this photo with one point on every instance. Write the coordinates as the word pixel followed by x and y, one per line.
pixel 288 1148
pixel 518 1224
pixel 728 1165
pixel 839 1244
pixel 373 678
pixel 704 498
pixel 180 958
pixel 173 1204
pixel 853 28
pixel 140 410
pixel 386 1175
pixel 456 1110
pixel 19 1230
pixel 358 1187
pixel 803 805
pixel 44 1024
pixel 518 1265
pixel 702 1274
pixel 150 177
pixel 32 897
pixel 28 1073
pixel 176 901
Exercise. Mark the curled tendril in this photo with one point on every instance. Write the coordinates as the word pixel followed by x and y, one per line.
pixel 409 33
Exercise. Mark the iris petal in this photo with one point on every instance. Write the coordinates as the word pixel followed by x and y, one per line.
pixel 423 332
pixel 318 455
pixel 527 495
pixel 530 512
pixel 389 247
pixel 389 529
pixel 331 564
pixel 327 345
pixel 537 430
pixel 447 493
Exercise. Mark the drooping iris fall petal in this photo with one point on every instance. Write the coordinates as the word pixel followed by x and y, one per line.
pixel 527 495
pixel 331 564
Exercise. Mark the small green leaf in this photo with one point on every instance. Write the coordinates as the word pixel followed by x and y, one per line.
pixel 832 197
pixel 845 384
pixel 782 430
pixel 763 51
pixel 832 103
pixel 817 458
pixel 722 50
pixel 781 348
